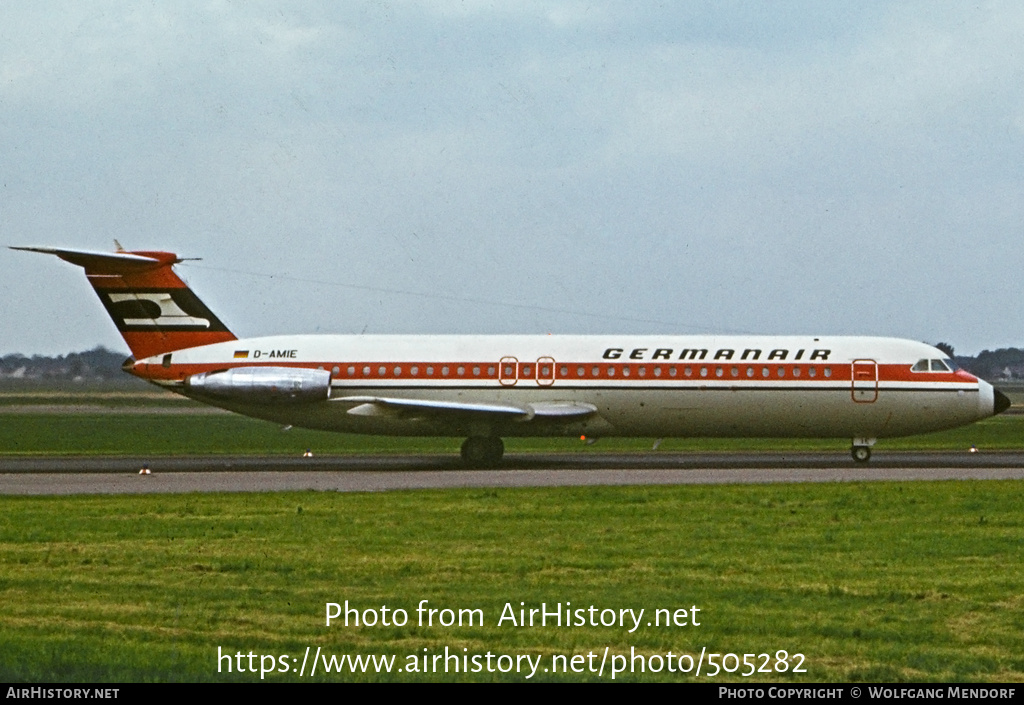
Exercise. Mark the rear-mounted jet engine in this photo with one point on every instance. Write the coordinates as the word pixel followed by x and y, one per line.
pixel 261 385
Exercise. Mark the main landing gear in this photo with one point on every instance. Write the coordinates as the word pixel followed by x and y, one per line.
pixel 482 451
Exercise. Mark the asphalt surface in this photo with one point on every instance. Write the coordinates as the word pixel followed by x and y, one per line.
pixel 120 475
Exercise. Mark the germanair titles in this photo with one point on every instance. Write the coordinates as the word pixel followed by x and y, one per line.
pixel 720 354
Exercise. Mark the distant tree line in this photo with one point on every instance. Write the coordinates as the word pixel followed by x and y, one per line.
pixel 994 365
pixel 98 366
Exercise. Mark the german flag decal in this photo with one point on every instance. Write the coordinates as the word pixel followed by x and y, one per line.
pixel 241 354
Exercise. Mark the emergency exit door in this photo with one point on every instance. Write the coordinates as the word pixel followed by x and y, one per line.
pixel 864 381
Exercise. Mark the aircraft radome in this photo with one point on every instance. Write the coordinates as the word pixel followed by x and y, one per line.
pixel 487 387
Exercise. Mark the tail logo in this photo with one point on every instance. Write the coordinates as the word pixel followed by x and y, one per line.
pixel 167 310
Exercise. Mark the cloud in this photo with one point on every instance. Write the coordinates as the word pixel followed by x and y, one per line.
pixel 751 161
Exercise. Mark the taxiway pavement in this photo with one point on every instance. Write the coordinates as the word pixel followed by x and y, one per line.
pixel 365 473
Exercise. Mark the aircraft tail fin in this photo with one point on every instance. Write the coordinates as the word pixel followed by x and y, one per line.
pixel 153 309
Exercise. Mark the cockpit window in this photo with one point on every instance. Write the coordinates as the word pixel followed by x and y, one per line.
pixel 934 366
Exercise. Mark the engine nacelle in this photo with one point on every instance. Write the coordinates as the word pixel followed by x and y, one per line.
pixel 263 385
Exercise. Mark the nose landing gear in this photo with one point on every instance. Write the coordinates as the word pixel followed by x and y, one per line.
pixel 861 449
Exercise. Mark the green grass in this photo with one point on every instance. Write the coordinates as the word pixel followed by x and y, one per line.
pixel 110 399
pixel 186 434
pixel 873 581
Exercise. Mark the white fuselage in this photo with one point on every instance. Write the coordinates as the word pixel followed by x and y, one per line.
pixel 652 385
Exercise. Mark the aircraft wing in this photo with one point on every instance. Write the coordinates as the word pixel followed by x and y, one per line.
pixel 387 406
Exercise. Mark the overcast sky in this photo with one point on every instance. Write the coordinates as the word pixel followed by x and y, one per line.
pixel 447 166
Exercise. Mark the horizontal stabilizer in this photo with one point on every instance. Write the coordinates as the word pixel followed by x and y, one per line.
pixel 97 260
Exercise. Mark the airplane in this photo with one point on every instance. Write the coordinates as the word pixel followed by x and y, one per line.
pixel 485 388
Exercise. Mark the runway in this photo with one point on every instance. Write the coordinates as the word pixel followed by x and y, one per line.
pixel 120 475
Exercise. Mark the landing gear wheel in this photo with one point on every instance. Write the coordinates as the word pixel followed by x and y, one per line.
pixel 861 454
pixel 482 451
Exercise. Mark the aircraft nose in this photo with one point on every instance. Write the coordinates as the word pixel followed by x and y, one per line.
pixel 1001 402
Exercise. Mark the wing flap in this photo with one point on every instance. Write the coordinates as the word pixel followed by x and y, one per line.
pixel 562 409
pixel 389 406
pixel 383 406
